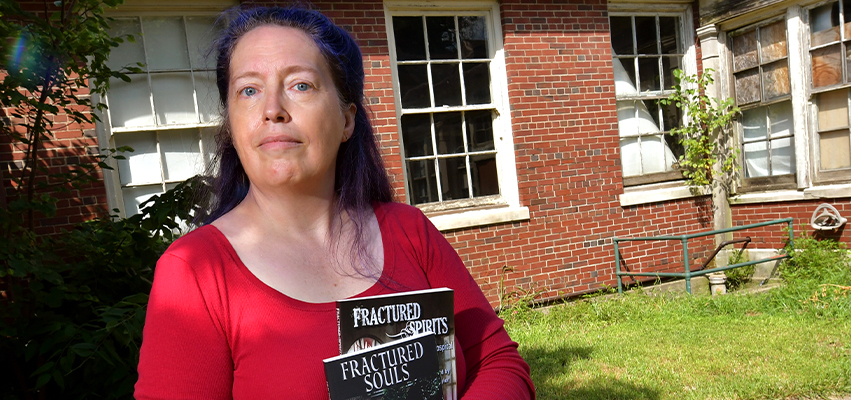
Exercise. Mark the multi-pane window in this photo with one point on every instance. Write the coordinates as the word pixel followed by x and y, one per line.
pixel 830 57
pixel 447 109
pixel 166 113
pixel 646 49
pixel 763 92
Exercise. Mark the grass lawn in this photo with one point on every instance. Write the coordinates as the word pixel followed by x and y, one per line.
pixel 775 345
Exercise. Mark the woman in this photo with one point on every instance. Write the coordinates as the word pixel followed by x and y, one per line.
pixel 243 307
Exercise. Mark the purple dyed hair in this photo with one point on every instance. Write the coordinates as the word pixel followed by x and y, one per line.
pixel 360 177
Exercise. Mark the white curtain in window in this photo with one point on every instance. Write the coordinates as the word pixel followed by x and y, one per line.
pixel 647 154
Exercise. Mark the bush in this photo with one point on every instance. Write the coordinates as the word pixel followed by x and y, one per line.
pixel 73 307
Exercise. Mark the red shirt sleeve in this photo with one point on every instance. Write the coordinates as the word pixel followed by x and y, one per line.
pixel 184 354
pixel 495 369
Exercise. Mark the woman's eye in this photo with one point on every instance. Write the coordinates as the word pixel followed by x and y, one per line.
pixel 249 91
pixel 302 87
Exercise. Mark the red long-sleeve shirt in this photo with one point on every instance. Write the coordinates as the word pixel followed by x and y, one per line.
pixel 215 331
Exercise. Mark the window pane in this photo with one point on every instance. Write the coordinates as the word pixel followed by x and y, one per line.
pixel 630 156
pixel 632 121
pixel 413 86
pixel 653 154
pixel 824 24
pixel 671 117
pixel 133 196
pixel 143 164
pixel 744 51
pixel 416 133
pixel 648 72
pixel 649 109
pixel 848 61
pixel 621 28
pixel 410 42
pixel 127 53
pixel 474 37
pixel 674 151
pixel 181 153
pixel 624 76
pixel 669 64
pixel 776 80
pixel 447 84
pixel 782 156
pixel 477 83
pixel 668 35
pixel 130 102
pixel 780 116
pixel 754 125
pixel 645 35
pixel 773 41
pixel 835 150
pixel 208 95
pixel 485 180
pixel 756 159
pixel 833 110
pixel 747 86
pixel 453 178
pixel 827 66
pixel 447 130
pixel 441 38
pixel 165 41
pixel 173 98
pixel 479 130
pixel 201 31
pixel 422 181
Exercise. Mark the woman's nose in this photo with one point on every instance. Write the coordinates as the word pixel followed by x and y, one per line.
pixel 275 110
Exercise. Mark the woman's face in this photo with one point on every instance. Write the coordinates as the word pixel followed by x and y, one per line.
pixel 286 120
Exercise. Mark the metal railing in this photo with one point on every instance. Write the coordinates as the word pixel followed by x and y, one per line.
pixel 688 273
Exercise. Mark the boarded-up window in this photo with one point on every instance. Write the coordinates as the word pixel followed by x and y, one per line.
pixel 760 64
pixel 829 44
pixel 646 49
pixel 762 85
pixel 834 135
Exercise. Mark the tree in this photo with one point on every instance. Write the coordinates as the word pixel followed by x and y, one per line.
pixel 72 305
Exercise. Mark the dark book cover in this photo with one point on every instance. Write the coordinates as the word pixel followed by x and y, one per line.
pixel 363 322
pixel 402 369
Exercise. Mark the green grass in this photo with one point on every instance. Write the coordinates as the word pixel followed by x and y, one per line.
pixel 775 345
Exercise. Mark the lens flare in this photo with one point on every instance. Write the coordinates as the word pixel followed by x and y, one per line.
pixel 17 51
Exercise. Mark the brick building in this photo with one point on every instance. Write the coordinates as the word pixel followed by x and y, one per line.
pixel 528 131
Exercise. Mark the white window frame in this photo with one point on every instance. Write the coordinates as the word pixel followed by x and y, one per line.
pixel 674 189
pixel 106 133
pixel 504 207
pixel 808 183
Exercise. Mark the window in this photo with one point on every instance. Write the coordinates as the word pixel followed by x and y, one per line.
pixel 646 49
pixel 167 113
pixel 763 93
pixel 449 83
pixel 830 58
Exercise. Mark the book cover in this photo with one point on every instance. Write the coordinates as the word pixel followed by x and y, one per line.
pixel 402 369
pixel 368 321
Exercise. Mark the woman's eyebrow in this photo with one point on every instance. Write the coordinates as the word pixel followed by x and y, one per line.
pixel 286 71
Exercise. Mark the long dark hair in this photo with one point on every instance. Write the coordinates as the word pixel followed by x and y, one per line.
pixel 360 177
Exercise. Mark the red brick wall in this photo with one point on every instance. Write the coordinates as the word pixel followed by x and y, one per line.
pixel 564 122
pixel 801 211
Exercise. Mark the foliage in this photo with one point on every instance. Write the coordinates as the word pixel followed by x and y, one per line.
pixel 817 275
pixel 737 278
pixel 56 60
pixel 706 133
pixel 74 306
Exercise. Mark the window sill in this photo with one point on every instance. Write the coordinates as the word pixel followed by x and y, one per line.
pixel 817 192
pixel 657 192
pixel 467 219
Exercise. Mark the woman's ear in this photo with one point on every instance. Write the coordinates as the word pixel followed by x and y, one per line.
pixel 349 115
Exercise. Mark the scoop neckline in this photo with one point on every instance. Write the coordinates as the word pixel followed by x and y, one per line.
pixel 376 288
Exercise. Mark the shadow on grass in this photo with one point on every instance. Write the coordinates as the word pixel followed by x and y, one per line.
pixel 551 374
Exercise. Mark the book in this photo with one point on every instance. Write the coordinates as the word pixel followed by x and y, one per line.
pixel 401 369
pixel 363 322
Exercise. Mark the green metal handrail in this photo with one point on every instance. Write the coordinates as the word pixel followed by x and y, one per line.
pixel 688 274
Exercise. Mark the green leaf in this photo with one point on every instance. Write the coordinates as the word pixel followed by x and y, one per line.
pixel 42 380
pixel 58 378
pixel 84 349
pixel 44 368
